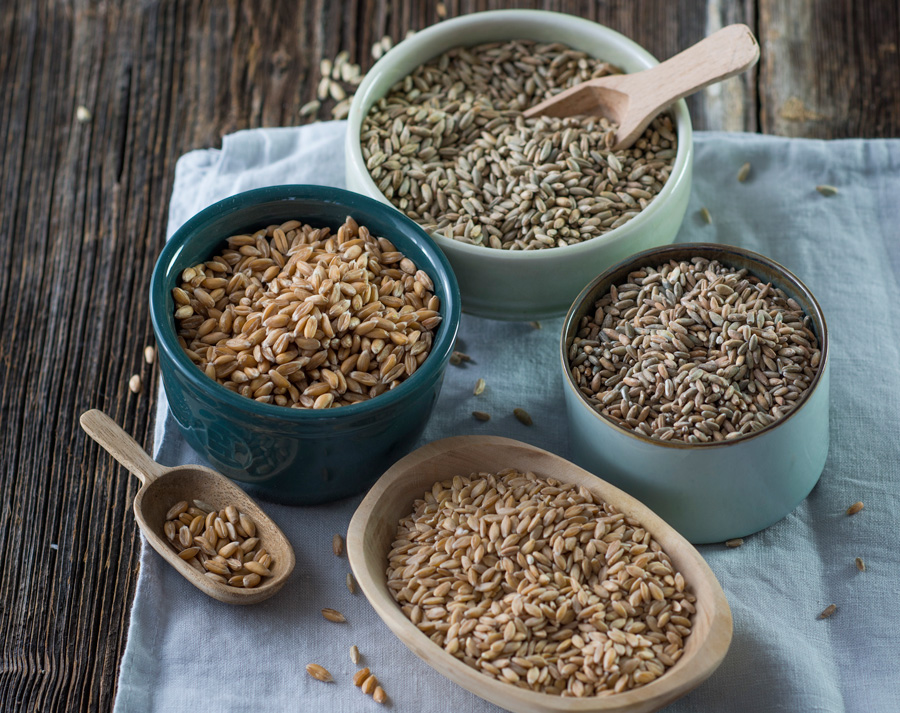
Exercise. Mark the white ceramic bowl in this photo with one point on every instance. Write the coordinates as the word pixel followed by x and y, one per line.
pixel 709 492
pixel 527 285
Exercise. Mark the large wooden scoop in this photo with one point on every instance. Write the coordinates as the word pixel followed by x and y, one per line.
pixel 633 100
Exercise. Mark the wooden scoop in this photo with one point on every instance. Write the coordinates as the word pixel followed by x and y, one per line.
pixel 633 100
pixel 164 487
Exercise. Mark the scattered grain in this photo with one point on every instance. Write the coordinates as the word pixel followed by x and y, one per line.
pixel 310 108
pixel 369 685
pixel 827 190
pixel 320 673
pixel 705 214
pixel 333 615
pixel 481 415
pixel 337 545
pixel 855 508
pixel 536 325
pixel 354 654
pixel 441 10
pixel 523 416
pixel 743 172
pixel 828 611
pixel 479 387
pixel 149 354
pixel 860 565
pixel 134 384
pixel 351 583
pixel 379 695
pixel 736 542
pixel 82 114
pixel 360 676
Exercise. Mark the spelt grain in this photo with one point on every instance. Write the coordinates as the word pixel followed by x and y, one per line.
pixel 320 673
pixel 534 582
pixel 295 316
pixel 855 508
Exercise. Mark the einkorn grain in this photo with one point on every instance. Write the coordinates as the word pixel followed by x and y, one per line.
pixel 536 583
pixel 295 316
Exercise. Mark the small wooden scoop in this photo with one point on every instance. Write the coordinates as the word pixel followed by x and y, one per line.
pixel 164 487
pixel 633 100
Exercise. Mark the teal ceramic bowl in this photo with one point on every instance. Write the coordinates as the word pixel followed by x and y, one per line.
pixel 709 492
pixel 288 455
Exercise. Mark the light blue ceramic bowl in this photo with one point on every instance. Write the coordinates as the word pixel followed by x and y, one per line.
pixel 709 492
pixel 535 284
pixel 290 455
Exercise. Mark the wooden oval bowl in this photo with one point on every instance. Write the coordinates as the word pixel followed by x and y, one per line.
pixel 374 525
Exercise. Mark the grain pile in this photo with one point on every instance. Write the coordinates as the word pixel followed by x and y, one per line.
pixel 295 316
pixel 537 584
pixel 694 351
pixel 222 544
pixel 449 147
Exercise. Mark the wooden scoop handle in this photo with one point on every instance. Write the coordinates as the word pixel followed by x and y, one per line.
pixel 723 54
pixel 121 446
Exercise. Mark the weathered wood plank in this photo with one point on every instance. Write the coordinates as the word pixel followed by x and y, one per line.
pixel 83 210
pixel 830 70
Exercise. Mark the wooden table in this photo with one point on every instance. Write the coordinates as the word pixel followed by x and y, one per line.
pixel 83 208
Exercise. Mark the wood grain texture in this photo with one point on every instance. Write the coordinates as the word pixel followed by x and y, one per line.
pixel 83 210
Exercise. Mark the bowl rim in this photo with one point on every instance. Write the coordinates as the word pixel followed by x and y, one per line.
pixel 422 41
pixel 166 337
pixel 706 656
pixel 660 253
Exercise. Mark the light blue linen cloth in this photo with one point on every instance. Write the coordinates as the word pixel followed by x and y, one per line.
pixel 187 652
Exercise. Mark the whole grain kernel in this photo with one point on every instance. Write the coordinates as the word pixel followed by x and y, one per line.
pixel 360 676
pixel 860 565
pixel 531 562
pixel 828 611
pixel 736 542
pixel 354 654
pixel 827 191
pixel 481 415
pixel 706 215
pixel 855 508
pixel 333 615
pixel 134 384
pixel 149 354
pixel 379 695
pixel 351 583
pixel 337 545
pixel 320 673
pixel 479 387
pixel 743 172
pixel 369 685
pixel 523 416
